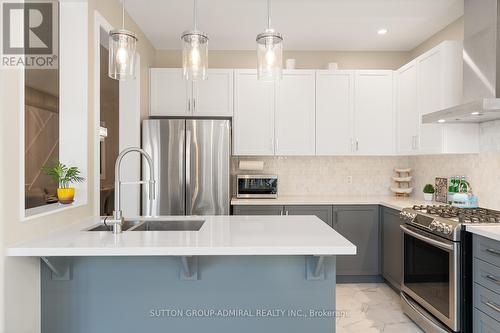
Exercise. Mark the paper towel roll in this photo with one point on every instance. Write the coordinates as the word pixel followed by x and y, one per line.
pixel 251 165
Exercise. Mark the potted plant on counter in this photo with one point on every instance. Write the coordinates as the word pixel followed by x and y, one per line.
pixel 429 192
pixel 64 176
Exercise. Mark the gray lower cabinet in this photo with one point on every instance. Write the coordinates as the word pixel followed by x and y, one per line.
pixel 258 210
pixel 486 290
pixel 323 212
pixel 391 247
pixel 484 324
pixel 360 225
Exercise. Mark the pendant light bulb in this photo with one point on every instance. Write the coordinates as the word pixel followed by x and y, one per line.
pixel 122 48
pixel 270 57
pixel 122 55
pixel 194 51
pixel 269 52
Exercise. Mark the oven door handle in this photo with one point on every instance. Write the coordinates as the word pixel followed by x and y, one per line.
pixel 434 242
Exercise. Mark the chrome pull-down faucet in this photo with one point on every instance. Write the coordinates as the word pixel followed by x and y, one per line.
pixel 117 220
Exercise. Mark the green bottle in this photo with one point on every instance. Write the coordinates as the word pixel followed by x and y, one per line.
pixel 451 186
pixel 464 185
pixel 456 186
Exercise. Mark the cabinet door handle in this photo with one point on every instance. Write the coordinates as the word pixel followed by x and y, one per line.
pixel 413 142
pixel 194 104
pixel 493 251
pixel 189 104
pixel 493 305
pixel 492 279
pixel 335 217
pixel 357 145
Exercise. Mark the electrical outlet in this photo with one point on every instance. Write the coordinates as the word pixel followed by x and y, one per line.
pixel 349 179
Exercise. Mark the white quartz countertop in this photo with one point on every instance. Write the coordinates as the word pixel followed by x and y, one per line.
pixel 489 231
pixel 219 236
pixel 387 201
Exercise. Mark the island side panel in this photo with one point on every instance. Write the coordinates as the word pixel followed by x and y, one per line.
pixel 146 294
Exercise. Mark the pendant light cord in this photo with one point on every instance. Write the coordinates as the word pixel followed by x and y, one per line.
pixel 123 14
pixel 269 14
pixel 195 18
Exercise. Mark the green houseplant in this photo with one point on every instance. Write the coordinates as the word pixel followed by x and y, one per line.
pixel 64 176
pixel 429 192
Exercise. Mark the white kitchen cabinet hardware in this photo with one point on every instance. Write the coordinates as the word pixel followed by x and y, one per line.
pixel 172 95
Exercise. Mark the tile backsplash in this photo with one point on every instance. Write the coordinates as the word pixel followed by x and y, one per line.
pixel 318 175
pixel 482 170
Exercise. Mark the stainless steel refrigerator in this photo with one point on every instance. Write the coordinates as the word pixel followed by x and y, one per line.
pixel 191 159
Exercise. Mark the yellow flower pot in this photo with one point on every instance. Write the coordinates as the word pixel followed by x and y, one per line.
pixel 66 195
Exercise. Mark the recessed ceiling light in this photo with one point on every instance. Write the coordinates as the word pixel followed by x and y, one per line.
pixel 382 31
pixel 475 113
pixel 441 121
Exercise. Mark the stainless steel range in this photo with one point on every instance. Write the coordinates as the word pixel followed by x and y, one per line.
pixel 433 266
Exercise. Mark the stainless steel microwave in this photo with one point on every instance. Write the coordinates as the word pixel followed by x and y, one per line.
pixel 257 186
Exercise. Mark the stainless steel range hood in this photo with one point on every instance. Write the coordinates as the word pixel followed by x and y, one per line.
pixel 481 67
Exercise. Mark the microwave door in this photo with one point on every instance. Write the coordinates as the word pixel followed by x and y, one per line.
pixel 164 141
pixel 208 147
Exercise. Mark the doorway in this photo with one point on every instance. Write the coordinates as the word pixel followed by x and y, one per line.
pixel 109 131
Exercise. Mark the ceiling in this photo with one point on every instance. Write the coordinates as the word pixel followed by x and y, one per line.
pixel 349 25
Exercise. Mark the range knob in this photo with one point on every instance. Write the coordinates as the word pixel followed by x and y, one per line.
pixel 433 226
pixel 447 230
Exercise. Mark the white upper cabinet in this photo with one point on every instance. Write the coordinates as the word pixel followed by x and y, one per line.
pixel 334 111
pixel 172 95
pixel 432 82
pixel 295 113
pixel 407 115
pixel 169 92
pixel 432 94
pixel 374 121
pixel 253 121
pixel 214 96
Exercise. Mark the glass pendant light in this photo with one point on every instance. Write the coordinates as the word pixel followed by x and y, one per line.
pixel 122 46
pixel 269 52
pixel 194 52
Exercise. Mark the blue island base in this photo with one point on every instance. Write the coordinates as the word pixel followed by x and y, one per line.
pixel 244 294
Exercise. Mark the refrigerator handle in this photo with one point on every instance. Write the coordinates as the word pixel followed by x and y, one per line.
pixel 188 163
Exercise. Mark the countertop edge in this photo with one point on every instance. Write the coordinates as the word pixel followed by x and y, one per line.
pixel 488 231
pixel 155 252
pixel 386 201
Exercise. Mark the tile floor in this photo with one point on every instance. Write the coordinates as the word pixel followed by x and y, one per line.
pixel 371 308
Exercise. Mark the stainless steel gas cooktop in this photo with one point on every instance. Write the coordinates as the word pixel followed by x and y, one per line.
pixel 447 221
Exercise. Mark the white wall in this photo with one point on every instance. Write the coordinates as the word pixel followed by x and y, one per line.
pixel 305 59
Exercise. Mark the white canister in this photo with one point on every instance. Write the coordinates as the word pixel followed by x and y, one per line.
pixel 333 66
pixel 290 63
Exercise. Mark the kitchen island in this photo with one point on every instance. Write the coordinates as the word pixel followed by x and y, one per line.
pixel 236 273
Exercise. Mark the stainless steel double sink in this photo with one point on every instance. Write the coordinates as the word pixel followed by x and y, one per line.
pixel 153 225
